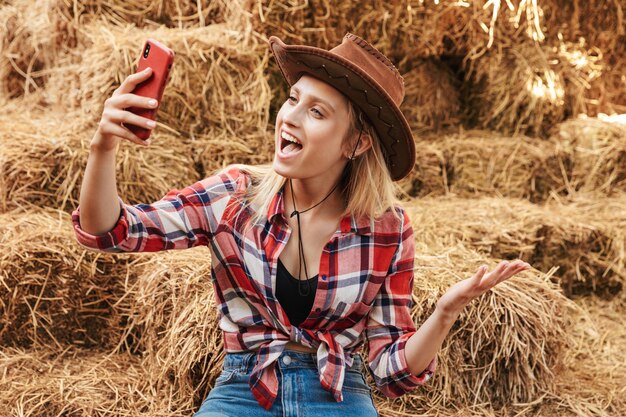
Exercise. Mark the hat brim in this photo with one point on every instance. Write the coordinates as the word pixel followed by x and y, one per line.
pixel 386 117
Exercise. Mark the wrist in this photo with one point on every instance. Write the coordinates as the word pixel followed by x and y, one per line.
pixel 447 314
pixel 101 144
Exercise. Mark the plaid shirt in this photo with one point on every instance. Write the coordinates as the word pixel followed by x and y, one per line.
pixel 364 285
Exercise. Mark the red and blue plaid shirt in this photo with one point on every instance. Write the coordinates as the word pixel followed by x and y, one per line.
pixel 364 284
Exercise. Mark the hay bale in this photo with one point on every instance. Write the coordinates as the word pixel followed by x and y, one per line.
pixel 583 236
pixel 31 40
pixel 173 314
pixel 597 154
pixel 480 163
pixel 55 293
pixel 398 29
pixel 587 234
pixel 171 13
pixel 487 163
pixel 518 90
pixel 500 228
pixel 84 382
pixel 218 148
pixel 216 80
pixel 421 28
pixel 430 174
pixel 587 75
pixel 43 157
pixel 592 381
pixel 504 347
pixel 600 22
pixel 527 88
pixel 432 96
pixel 35 41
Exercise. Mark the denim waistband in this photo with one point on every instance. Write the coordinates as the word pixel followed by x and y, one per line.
pixel 245 361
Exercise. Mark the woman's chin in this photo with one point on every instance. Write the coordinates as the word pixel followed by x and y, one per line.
pixel 280 168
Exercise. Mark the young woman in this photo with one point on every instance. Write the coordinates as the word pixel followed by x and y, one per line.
pixel 312 257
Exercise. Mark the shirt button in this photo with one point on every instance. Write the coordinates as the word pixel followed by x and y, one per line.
pixel 317 310
pixel 324 277
pixel 286 359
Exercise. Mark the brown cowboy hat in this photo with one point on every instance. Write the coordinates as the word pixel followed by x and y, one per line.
pixel 368 79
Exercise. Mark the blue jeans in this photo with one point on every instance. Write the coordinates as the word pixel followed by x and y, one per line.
pixel 300 393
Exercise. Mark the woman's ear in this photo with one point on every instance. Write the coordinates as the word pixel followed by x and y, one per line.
pixel 363 145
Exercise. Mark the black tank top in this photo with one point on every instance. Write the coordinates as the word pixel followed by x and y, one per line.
pixel 296 306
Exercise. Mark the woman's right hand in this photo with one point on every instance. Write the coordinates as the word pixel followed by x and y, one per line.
pixel 110 130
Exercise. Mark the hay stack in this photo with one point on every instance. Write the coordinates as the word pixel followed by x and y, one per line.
pixel 581 155
pixel 419 28
pixel 432 96
pixel 597 154
pixel 216 80
pixel 218 148
pixel 399 29
pixel 503 349
pixel 479 163
pixel 43 157
pixel 593 380
pixel 172 315
pixel 583 236
pixel 54 292
pixel 32 38
pixel 81 382
pixel 171 13
pixel 587 234
pixel 588 382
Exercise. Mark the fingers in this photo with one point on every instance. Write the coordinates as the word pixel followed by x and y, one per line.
pixel 120 131
pixel 511 268
pixel 123 101
pixel 503 271
pixel 115 113
pixel 126 117
pixel 132 80
pixel 480 273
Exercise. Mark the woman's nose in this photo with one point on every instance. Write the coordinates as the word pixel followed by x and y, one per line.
pixel 292 115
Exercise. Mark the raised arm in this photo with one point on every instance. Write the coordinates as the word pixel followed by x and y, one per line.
pixel 100 208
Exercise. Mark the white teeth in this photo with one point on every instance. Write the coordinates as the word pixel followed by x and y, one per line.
pixel 289 137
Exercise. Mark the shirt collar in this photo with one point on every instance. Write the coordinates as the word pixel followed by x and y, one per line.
pixel 349 223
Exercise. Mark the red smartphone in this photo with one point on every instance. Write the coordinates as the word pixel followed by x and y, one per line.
pixel 160 58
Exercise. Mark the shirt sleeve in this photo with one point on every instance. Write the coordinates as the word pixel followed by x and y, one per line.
pixel 181 219
pixel 390 324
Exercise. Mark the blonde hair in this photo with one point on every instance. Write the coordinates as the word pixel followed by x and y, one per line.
pixel 367 190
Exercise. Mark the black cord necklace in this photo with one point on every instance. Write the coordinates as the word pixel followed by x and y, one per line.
pixel 295 212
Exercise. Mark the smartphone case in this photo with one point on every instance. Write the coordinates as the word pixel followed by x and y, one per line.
pixel 160 58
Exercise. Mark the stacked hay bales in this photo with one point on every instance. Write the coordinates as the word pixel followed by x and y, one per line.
pixel 217 74
pixel 581 155
pixel 33 41
pixel 83 382
pixel 43 157
pixel 173 313
pixel 503 170
pixel 54 292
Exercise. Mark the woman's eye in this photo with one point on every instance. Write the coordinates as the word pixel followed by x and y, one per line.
pixel 316 111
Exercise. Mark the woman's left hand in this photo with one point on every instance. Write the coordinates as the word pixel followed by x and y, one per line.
pixel 461 293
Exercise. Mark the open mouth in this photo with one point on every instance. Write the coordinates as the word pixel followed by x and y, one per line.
pixel 289 144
